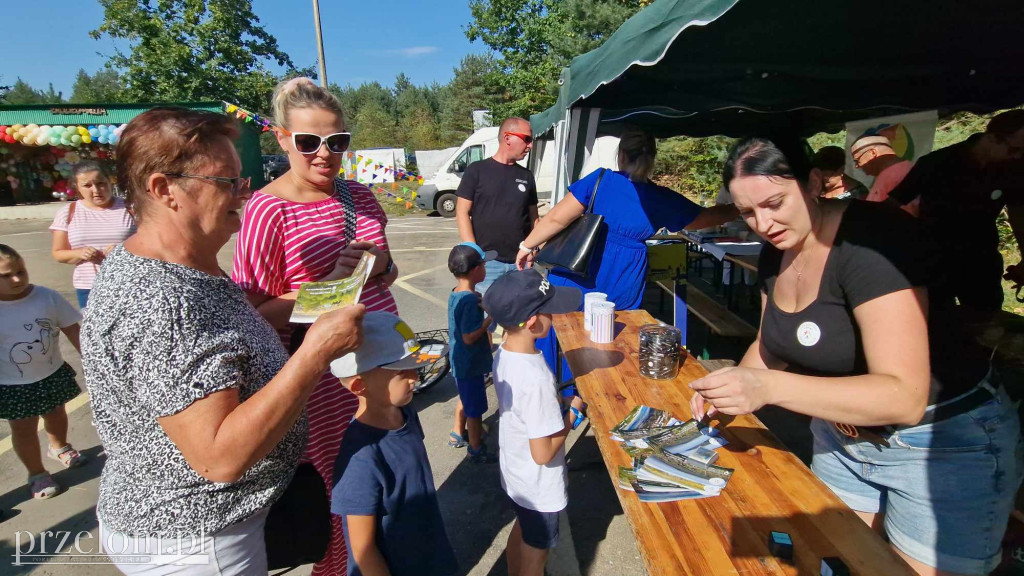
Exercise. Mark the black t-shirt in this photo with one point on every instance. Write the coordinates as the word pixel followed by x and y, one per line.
pixel 960 201
pixel 502 195
pixel 877 251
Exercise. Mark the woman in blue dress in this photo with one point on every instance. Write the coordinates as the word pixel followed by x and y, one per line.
pixel 634 208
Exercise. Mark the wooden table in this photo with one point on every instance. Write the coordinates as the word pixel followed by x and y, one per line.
pixel 771 489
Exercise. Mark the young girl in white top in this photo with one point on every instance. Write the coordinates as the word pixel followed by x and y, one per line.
pixel 34 379
pixel 85 230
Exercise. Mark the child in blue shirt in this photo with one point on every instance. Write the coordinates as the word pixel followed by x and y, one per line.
pixel 469 348
pixel 384 488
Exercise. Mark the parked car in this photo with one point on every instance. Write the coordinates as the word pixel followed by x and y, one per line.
pixel 274 165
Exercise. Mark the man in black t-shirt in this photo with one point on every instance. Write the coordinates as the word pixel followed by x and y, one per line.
pixel 497 200
pixel 962 190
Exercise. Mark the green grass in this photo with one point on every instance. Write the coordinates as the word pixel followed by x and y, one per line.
pixel 393 208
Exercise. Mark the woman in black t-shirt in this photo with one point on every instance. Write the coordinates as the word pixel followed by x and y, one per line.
pixel 911 429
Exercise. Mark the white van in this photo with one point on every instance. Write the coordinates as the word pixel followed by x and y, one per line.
pixel 438 192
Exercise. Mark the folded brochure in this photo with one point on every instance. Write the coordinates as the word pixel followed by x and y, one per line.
pixel 672 459
pixel 316 298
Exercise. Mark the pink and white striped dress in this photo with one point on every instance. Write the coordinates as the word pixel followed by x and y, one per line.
pixel 283 244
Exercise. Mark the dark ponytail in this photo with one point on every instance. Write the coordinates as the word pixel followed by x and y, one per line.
pixel 787 159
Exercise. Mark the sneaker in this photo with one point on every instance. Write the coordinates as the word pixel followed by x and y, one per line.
pixel 481 456
pixel 456 441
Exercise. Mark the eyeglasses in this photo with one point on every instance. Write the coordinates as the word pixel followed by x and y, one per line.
pixel 238 184
pixel 306 143
pixel 526 137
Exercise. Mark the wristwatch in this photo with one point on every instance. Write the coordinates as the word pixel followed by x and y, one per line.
pixel 390 266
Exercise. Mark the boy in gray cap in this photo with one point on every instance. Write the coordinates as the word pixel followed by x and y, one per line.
pixel 384 488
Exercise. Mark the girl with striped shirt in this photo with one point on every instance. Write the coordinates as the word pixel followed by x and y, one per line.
pixel 85 230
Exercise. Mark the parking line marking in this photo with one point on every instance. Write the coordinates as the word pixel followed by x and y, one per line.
pixel 417 292
pixel 420 249
pixel 25 234
pixel 422 272
pixel 76 403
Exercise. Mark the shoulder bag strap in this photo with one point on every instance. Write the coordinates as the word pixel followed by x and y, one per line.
pixel 344 195
pixel 71 212
pixel 593 194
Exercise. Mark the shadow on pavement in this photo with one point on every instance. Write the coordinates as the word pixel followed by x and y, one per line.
pixel 473 504
pixel 66 478
pixel 84 521
pixel 439 393
pixel 592 500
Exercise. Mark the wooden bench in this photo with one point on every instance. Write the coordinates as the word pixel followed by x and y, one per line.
pixel 719 319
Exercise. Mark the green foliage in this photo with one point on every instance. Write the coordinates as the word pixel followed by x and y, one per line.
pixel 536 39
pixel 692 166
pixel 186 50
pixel 22 93
pixel 469 90
pixel 822 139
pixel 104 86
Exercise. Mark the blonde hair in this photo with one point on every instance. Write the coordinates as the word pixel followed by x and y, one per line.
pixel 639 149
pixel 302 93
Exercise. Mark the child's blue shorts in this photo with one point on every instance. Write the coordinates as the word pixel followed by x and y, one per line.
pixel 540 529
pixel 473 393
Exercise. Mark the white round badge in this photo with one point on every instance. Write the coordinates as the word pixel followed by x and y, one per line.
pixel 522 187
pixel 808 334
pixel 997 194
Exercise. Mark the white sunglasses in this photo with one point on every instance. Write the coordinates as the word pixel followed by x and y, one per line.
pixel 306 143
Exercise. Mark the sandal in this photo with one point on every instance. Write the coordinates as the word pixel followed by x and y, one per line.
pixel 43 486
pixel 456 441
pixel 67 456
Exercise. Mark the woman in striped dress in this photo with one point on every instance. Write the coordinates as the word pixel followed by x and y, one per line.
pixel 305 226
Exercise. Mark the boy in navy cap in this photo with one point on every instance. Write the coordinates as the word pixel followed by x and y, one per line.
pixel 532 425
pixel 469 348
pixel 384 488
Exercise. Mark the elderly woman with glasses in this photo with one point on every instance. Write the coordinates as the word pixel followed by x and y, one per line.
pixel 311 225
pixel 197 404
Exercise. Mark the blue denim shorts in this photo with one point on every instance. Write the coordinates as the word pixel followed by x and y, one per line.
pixel 540 529
pixel 494 270
pixel 946 488
pixel 473 393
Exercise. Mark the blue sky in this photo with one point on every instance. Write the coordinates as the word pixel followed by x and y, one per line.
pixel 364 40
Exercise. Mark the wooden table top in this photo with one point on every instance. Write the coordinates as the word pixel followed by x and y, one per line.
pixel 771 490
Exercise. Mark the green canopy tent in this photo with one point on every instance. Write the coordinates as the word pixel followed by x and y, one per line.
pixel 741 67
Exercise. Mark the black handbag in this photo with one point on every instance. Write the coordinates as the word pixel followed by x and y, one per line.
pixel 298 528
pixel 572 248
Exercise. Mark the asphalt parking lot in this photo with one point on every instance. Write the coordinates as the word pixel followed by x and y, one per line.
pixel 596 539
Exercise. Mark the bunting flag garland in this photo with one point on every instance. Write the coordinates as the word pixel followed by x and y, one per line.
pixel 379 189
pixel 357 160
pixel 250 117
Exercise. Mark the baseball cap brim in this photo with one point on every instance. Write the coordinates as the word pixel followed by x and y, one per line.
pixel 565 299
pixel 425 356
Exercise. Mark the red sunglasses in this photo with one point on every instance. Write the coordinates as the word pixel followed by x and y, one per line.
pixel 526 137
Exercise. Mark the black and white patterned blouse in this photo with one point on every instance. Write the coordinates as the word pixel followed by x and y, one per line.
pixel 157 337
